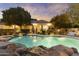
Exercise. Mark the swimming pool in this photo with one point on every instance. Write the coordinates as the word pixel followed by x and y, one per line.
pixel 47 41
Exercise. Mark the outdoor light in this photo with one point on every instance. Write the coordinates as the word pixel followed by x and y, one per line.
pixel 49 24
pixel 16 26
pixel 58 30
pixel 35 24
pixel 13 26
pixel 45 27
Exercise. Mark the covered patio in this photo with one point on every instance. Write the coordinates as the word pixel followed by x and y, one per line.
pixel 40 25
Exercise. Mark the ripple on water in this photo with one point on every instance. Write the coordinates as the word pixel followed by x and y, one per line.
pixel 46 41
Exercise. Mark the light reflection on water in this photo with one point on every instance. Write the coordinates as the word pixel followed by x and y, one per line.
pixel 47 41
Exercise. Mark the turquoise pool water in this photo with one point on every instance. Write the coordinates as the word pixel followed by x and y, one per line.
pixel 47 41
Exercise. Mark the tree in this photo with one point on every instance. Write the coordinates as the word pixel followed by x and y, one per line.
pixel 74 14
pixel 16 16
pixel 61 21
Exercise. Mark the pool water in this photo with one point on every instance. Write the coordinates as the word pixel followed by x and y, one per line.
pixel 47 41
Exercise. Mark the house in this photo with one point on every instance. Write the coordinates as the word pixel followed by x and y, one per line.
pixel 39 25
pixel 35 26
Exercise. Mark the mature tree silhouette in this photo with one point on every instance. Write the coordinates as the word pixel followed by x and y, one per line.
pixel 16 16
pixel 61 21
pixel 74 14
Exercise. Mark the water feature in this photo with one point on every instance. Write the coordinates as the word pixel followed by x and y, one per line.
pixel 47 41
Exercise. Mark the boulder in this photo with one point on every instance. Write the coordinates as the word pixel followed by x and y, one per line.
pixel 24 52
pixel 69 51
pixel 11 47
pixel 54 52
pixel 20 50
pixel 62 50
pixel 39 50
pixel 58 48
pixel 75 50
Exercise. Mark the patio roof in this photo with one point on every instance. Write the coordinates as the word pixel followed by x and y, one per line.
pixel 39 21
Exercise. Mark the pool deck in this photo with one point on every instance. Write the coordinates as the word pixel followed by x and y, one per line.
pixel 7 37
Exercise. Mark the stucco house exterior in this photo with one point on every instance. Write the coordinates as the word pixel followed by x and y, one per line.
pixel 35 26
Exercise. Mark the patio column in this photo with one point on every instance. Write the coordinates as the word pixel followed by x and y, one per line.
pixel 41 27
pixel 34 28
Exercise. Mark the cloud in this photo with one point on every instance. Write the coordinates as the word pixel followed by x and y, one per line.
pixel 41 11
pixel 47 11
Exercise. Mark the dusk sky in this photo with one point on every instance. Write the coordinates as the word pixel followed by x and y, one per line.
pixel 40 11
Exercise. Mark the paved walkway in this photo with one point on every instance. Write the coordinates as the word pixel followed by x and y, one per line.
pixel 5 37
